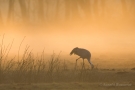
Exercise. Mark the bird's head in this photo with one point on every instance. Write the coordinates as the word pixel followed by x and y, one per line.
pixel 74 51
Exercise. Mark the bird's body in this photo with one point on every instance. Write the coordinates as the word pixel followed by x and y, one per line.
pixel 83 53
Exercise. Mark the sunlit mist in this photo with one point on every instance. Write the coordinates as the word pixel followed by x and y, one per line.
pixel 105 28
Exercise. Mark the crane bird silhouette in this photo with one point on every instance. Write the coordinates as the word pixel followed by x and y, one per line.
pixel 83 53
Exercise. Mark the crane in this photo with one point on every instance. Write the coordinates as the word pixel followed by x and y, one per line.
pixel 83 53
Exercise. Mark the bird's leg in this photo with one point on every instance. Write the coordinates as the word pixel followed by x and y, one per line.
pixel 78 58
pixel 92 66
pixel 76 62
pixel 83 61
pixel 83 64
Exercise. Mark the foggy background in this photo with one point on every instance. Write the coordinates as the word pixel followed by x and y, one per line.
pixel 104 27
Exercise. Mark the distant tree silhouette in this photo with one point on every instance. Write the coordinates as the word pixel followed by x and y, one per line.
pixel 86 7
pixel 124 8
pixel 41 10
pixel 23 10
pixel 96 10
pixel 73 10
pixel 103 8
pixel 57 10
pixel 67 9
pixel 1 21
pixel 10 11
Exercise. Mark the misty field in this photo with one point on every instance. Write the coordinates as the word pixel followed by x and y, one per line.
pixel 30 72
pixel 106 28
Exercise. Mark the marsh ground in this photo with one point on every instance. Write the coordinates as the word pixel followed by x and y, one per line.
pixel 63 86
pixel 98 80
